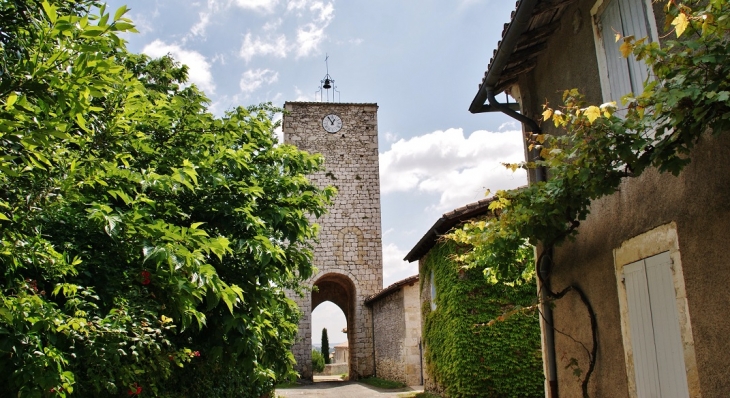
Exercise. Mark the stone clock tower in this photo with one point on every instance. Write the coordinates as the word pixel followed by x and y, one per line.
pixel 349 254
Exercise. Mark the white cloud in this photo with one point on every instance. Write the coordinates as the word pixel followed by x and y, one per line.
pixel 311 19
pixel 199 72
pixel 390 137
pixel 253 79
pixel 459 169
pixel 199 28
pixel 143 23
pixel 212 7
pixel 297 4
pixel 273 25
pixel 326 11
pixel 394 267
pixel 512 125
pixel 252 47
pixel 308 39
pixel 302 96
pixel 266 6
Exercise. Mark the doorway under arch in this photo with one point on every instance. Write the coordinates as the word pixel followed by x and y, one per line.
pixel 339 290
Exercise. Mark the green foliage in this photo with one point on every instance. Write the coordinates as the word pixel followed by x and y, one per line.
pixel 325 346
pixel 596 147
pixel 144 243
pixel 317 361
pixel 483 339
pixel 382 383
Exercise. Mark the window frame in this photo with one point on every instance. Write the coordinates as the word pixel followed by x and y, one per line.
pixel 596 12
pixel 656 241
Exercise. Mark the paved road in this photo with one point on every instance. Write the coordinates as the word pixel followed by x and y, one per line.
pixel 343 389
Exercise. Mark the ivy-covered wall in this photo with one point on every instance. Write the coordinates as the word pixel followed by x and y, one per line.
pixel 482 340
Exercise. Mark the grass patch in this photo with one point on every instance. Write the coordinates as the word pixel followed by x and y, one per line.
pixel 382 383
pixel 415 394
pixel 287 384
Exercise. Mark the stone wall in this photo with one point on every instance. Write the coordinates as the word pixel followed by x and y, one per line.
pixel 397 315
pixel 390 332
pixel 349 253
pixel 412 354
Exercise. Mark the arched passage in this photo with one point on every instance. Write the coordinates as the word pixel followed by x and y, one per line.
pixel 340 290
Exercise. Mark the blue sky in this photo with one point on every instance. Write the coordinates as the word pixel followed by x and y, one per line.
pixel 420 61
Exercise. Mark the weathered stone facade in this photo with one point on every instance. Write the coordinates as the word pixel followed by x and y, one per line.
pixel 397 324
pixel 390 328
pixel 349 254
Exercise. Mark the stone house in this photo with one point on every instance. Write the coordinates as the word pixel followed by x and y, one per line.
pixel 651 258
pixel 471 348
pixel 341 353
pixel 397 332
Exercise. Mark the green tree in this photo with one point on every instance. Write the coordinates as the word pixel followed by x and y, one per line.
pixel 325 346
pixel 317 361
pixel 145 243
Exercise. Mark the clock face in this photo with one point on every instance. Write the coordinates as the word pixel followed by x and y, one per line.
pixel 332 123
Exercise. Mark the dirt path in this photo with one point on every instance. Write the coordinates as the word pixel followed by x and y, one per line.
pixel 344 389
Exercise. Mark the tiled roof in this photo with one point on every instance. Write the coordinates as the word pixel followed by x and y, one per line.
pixel 523 39
pixel 444 224
pixel 392 288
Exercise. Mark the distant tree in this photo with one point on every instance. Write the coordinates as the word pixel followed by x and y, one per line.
pixel 317 361
pixel 325 346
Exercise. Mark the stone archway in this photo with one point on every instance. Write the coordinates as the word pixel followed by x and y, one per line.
pixel 340 290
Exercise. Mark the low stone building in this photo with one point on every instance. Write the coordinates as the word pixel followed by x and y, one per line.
pixel 397 332
pixel 341 353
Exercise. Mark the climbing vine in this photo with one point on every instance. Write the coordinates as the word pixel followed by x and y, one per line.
pixel 687 96
pixel 598 146
pixel 482 340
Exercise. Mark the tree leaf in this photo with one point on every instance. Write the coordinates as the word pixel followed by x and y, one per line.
pixel 592 113
pixel 680 23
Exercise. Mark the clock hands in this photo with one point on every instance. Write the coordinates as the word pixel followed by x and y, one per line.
pixel 332 121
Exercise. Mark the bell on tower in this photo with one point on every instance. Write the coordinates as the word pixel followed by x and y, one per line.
pixel 326 84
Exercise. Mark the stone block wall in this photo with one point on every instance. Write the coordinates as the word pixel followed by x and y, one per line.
pixel 412 354
pixel 397 316
pixel 390 333
pixel 349 253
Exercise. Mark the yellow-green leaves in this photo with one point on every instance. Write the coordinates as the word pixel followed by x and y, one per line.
pixel 547 114
pixel 50 11
pixel 627 47
pixel 592 113
pixel 680 23
pixel 12 97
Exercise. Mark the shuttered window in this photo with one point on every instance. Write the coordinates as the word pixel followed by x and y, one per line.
pixel 656 340
pixel 629 18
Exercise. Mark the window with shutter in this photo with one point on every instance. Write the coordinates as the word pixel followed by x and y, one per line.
pixel 656 328
pixel 619 75
pixel 656 340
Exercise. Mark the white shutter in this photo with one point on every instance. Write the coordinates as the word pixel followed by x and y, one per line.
pixel 642 330
pixel 633 16
pixel 667 336
pixel 617 66
pixel 629 18
pixel 654 326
